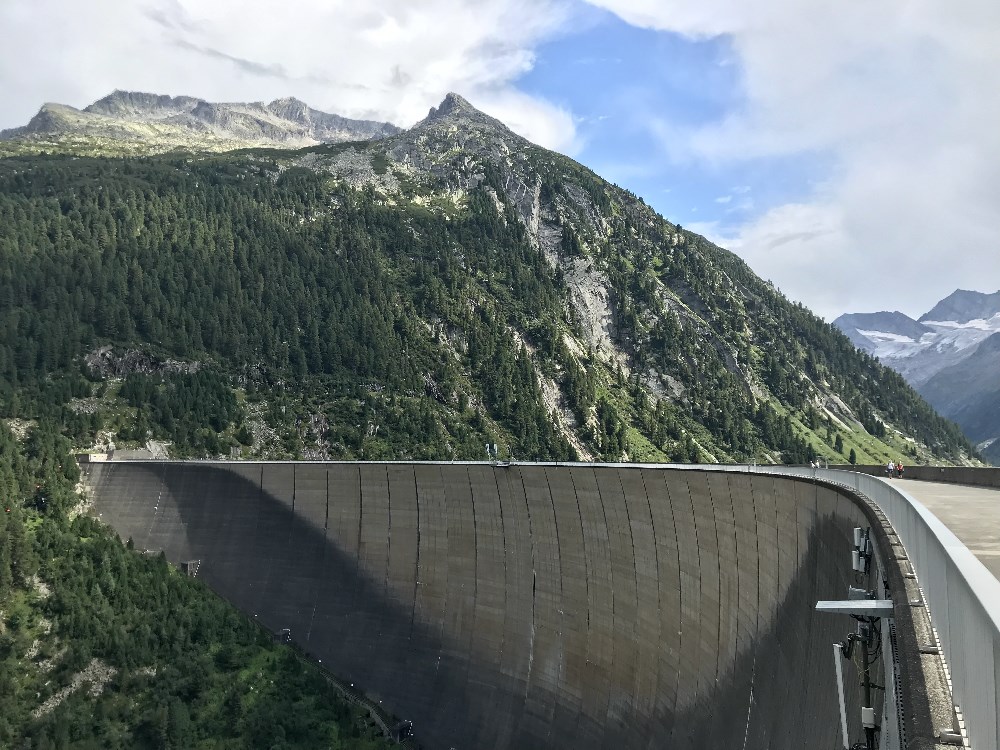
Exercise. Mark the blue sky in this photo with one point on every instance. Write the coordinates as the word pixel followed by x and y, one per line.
pixel 848 152
pixel 622 83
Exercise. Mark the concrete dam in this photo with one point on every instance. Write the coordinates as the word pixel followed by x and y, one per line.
pixel 531 606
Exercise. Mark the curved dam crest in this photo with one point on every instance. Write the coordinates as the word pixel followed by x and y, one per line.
pixel 528 606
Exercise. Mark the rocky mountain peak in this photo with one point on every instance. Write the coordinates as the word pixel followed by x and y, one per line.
pixel 47 118
pixel 290 108
pixel 121 103
pixel 963 305
pixel 893 324
pixel 456 110
pixel 949 356
pixel 451 104
pixel 157 122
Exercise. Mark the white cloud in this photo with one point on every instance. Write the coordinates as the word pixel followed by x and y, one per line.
pixel 540 121
pixel 391 59
pixel 900 98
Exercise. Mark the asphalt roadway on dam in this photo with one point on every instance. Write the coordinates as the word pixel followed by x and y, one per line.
pixel 529 606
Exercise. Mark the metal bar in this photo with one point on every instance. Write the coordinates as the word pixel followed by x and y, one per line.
pixel 837 659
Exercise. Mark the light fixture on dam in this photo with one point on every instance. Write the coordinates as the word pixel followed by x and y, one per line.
pixel 862 554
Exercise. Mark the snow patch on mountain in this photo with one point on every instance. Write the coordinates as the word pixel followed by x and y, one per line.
pixel 918 358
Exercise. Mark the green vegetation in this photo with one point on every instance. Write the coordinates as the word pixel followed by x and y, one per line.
pixel 323 321
pixel 183 669
pixel 218 262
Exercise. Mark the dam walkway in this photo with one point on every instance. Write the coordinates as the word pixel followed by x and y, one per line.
pixel 972 514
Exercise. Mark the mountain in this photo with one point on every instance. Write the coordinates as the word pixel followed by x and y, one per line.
pixel 418 295
pixel 963 306
pixel 949 356
pixel 874 332
pixel 152 123
pixel 969 393
pixel 943 337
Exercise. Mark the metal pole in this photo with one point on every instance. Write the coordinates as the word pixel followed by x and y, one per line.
pixel 838 652
pixel 866 710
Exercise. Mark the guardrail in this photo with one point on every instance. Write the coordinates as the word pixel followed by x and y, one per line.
pixel 974 476
pixel 962 595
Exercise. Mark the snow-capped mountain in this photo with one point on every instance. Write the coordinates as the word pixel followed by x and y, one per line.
pixel 919 349
pixel 949 355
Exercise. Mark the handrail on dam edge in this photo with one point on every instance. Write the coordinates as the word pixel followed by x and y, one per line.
pixel 962 596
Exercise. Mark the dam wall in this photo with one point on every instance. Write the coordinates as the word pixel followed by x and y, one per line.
pixel 530 606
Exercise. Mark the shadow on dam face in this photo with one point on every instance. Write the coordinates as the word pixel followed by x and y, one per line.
pixel 529 606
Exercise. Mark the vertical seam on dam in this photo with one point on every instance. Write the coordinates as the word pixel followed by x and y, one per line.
pixel 699 634
pixel 326 515
pixel 680 605
pixel 561 607
pixel 475 562
pixel 659 594
pixel 614 596
pixel 599 653
pixel 416 562
pixel 388 531
pixel 586 580
pixel 631 547
pixel 504 656
pixel 587 644
pixel 756 621
pixel 361 511
pixel 534 590
pixel 720 655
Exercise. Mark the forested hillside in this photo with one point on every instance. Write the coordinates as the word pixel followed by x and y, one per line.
pixel 273 305
pixel 104 647
pixel 272 280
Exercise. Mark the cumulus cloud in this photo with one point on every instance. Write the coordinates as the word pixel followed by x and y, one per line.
pixel 900 98
pixel 388 60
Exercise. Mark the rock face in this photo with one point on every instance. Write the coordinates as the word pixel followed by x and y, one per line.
pixel 107 363
pixel 183 121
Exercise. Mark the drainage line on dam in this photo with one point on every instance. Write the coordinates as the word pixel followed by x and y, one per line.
pixel 846 649
pixel 863 606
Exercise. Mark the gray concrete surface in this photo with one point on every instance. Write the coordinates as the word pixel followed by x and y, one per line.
pixel 529 606
pixel 972 513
